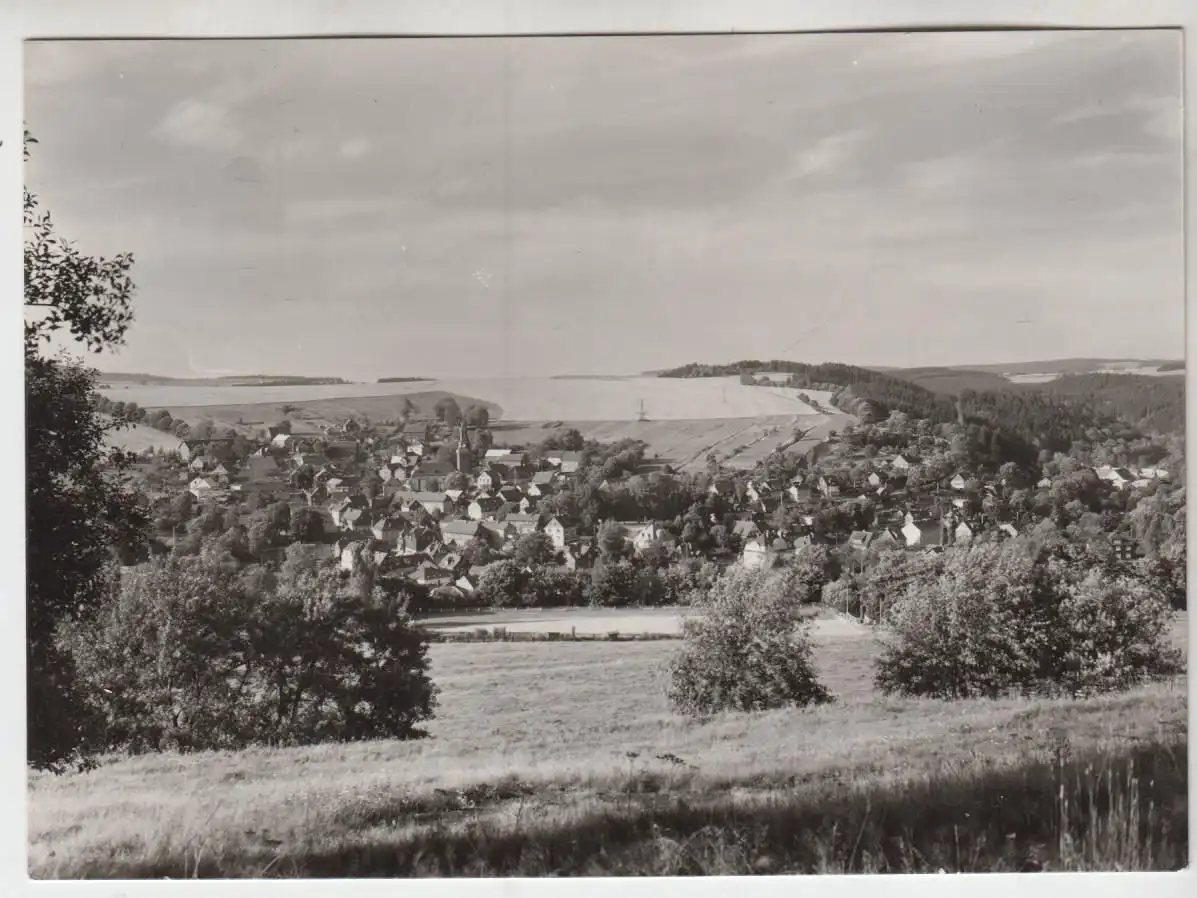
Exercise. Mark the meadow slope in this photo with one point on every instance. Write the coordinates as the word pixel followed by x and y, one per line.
pixel 565 757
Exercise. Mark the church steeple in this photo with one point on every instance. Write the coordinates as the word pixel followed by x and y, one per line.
pixel 465 458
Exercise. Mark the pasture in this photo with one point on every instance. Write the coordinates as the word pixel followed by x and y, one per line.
pixel 519 398
pixel 565 757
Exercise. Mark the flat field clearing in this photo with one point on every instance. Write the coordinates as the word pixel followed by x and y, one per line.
pixel 566 758
pixel 626 621
pixel 683 444
pixel 519 398
pixel 142 438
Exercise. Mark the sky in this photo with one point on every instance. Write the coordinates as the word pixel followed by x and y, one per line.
pixel 537 206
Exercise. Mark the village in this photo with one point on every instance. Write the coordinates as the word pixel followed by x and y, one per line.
pixel 433 504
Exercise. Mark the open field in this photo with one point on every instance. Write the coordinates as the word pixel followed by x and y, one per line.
pixel 520 398
pixel 682 444
pixel 529 772
pixel 142 438
pixel 687 419
pixel 663 621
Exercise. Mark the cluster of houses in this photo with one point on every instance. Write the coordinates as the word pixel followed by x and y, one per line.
pixel 423 510
pixel 394 501
pixel 954 511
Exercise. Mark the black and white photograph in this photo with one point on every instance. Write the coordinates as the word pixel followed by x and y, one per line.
pixel 657 455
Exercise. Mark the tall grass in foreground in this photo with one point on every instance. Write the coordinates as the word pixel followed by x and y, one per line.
pixel 1125 810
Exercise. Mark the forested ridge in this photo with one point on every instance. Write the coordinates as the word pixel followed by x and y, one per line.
pixel 1015 423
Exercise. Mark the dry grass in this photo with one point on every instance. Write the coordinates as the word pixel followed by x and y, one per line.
pixel 528 772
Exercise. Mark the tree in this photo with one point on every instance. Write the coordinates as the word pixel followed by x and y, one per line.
pixel 1014 618
pixel 611 541
pixel 501 586
pixel 534 549
pixel 477 416
pixel 746 650
pixel 448 411
pixel 262 536
pixel 307 526
pixel 184 655
pixel 613 584
pixel 75 514
pixel 280 515
pixel 300 559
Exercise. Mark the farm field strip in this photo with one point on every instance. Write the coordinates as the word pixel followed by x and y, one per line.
pixel 523 399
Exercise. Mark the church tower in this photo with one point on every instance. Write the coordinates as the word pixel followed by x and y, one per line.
pixel 465 458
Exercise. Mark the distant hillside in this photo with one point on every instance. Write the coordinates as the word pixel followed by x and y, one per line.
pixel 403 380
pixel 1149 403
pixel 240 380
pixel 1066 366
pixel 949 381
pixel 1010 422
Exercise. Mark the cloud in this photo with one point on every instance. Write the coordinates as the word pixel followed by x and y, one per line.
pixel 200 125
pixel 355 148
pixel 606 180
pixel 827 155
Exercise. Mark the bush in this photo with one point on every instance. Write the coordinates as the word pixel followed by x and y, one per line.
pixel 184 655
pixel 999 620
pixel 748 651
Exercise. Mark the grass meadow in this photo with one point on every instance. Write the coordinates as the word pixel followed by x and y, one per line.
pixel 564 758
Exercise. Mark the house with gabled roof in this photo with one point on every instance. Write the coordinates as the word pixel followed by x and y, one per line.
pixel 201 487
pixel 459 532
pixel 745 529
pixel 430 574
pixel 484 507
pixel 964 533
pixel 387 528
pixel 579 556
pixel 642 534
pixel 488 480
pixel 499 532
pixel 558 532
pixel 830 485
pixel 523 523
pixel 923 532
pixel 761 552
pixel 570 462
pixel 509 494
